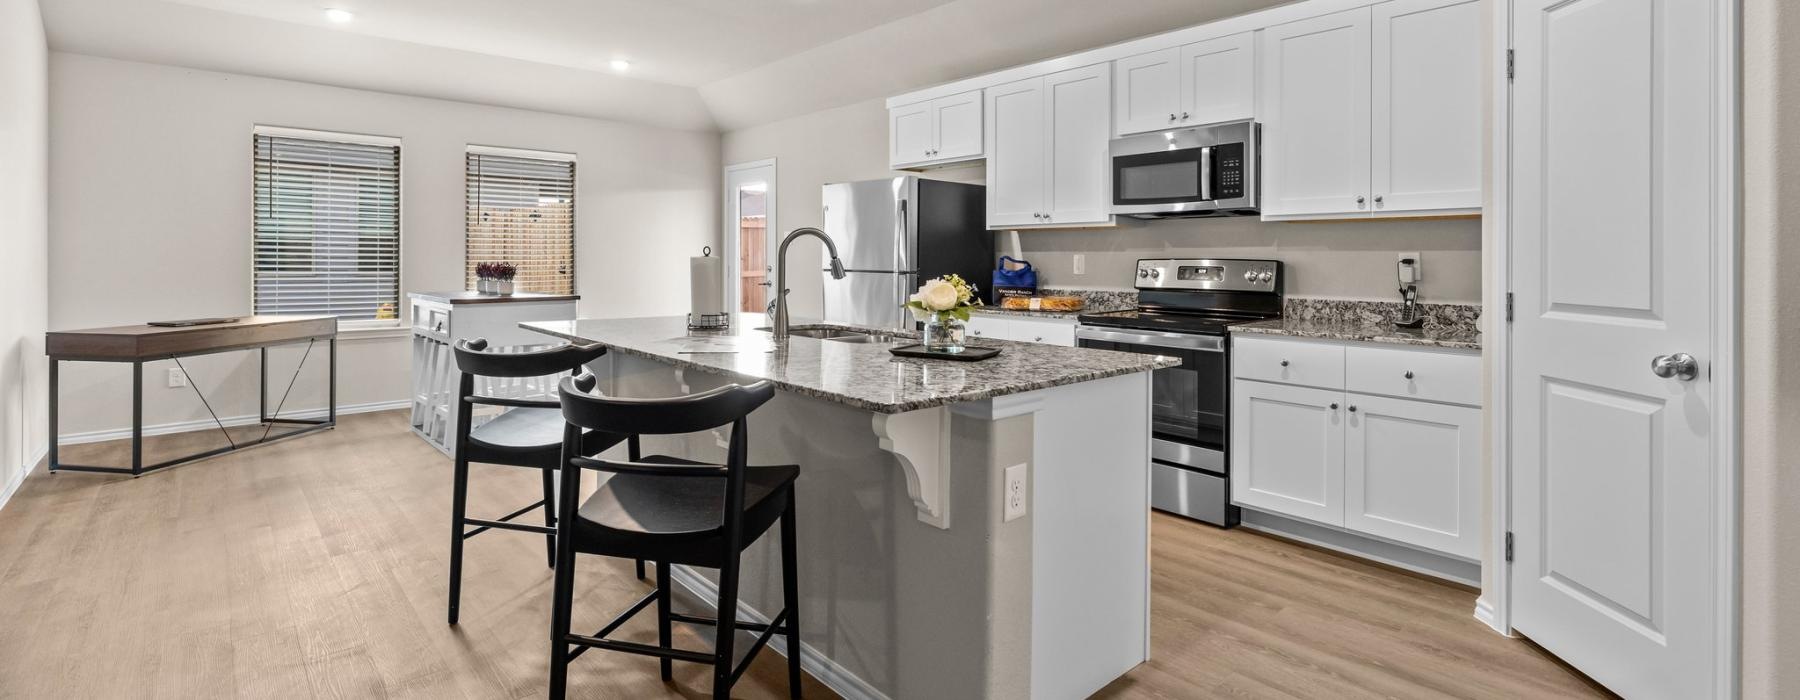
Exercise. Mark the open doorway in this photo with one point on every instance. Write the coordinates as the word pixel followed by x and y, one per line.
pixel 750 230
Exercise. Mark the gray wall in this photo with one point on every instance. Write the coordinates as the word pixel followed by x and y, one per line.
pixel 24 175
pixel 150 216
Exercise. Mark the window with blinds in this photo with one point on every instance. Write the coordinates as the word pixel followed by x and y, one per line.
pixel 521 210
pixel 327 226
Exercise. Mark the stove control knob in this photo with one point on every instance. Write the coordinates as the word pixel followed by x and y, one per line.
pixel 1155 273
pixel 1265 276
pixel 1249 275
pixel 1143 273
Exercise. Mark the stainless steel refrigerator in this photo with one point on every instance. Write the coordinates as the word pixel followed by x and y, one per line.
pixel 891 234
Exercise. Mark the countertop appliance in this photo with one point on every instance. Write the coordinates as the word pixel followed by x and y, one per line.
pixel 1184 310
pixel 893 233
pixel 1201 171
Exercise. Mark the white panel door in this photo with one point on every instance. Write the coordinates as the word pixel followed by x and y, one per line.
pixel 1147 92
pixel 1412 472
pixel 1218 80
pixel 1613 482
pixel 1287 450
pixel 909 134
pixel 1016 168
pixel 1080 127
pixel 1425 147
pixel 956 126
pixel 1315 88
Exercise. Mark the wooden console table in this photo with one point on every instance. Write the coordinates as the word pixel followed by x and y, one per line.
pixel 139 344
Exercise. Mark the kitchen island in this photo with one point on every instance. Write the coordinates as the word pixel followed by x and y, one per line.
pixel 917 581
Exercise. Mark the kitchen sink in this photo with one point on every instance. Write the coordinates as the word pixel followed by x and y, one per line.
pixel 841 335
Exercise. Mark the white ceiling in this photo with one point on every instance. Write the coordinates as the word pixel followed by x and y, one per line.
pixel 696 64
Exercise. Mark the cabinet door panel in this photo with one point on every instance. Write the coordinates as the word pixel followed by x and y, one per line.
pixel 1315 89
pixel 1287 450
pixel 1426 136
pixel 1037 330
pixel 909 134
pixel 1410 473
pixel 1147 91
pixel 1015 165
pixel 1080 168
pixel 1218 79
pixel 984 326
pixel 956 121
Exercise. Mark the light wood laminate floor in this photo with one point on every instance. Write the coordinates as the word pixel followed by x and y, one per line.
pixel 316 567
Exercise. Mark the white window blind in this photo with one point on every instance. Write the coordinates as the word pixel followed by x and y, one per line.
pixel 327 227
pixel 521 210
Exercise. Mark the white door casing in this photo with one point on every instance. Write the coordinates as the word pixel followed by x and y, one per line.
pixel 737 177
pixel 1615 486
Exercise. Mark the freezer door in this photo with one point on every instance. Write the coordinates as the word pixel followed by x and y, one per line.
pixel 871 223
pixel 868 299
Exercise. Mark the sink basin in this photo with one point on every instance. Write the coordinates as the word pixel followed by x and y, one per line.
pixel 841 335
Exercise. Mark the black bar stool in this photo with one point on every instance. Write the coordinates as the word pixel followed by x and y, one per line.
pixel 672 511
pixel 528 434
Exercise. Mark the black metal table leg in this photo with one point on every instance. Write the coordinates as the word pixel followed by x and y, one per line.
pixel 331 401
pixel 262 386
pixel 55 382
pixel 137 418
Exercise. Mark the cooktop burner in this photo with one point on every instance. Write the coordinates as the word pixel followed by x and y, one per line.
pixel 1183 295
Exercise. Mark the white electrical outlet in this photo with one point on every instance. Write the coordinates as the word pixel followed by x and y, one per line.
pixel 1014 506
pixel 1418 266
pixel 1080 264
pixel 177 378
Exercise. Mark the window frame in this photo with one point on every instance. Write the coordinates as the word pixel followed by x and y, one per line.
pixel 401 308
pixel 572 159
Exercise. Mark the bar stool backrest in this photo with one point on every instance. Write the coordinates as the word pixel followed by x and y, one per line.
pixel 473 356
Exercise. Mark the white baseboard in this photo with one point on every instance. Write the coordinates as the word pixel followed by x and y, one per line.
pixel 1399 556
pixel 12 485
pixel 231 422
pixel 1484 611
pixel 833 676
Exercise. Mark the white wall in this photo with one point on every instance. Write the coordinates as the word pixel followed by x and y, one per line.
pixel 24 175
pixel 150 217
pixel 1352 260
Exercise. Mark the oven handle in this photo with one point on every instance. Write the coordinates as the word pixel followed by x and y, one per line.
pixel 1180 341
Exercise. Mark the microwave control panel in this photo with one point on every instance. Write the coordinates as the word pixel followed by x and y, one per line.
pixel 1228 169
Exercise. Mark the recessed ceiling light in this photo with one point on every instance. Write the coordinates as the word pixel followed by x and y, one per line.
pixel 339 16
pixel 620 65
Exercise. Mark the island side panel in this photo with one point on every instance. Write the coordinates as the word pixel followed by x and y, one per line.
pixel 1090 495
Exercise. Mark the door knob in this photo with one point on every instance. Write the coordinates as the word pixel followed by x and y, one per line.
pixel 1680 365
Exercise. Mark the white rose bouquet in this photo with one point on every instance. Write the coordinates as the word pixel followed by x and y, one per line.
pixel 946 298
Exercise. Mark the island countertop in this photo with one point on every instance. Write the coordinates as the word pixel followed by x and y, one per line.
pixel 864 375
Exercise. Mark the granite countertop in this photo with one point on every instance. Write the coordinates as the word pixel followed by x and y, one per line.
pixel 1383 332
pixel 472 297
pixel 864 375
pixel 1095 301
pixel 1071 315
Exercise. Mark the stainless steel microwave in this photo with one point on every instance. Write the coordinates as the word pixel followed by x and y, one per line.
pixel 1199 171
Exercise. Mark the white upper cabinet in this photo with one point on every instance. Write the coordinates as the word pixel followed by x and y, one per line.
pixel 1218 80
pixel 1147 92
pixel 935 132
pixel 1047 160
pixel 1080 178
pixel 1200 83
pixel 1427 105
pixel 1315 87
pixel 1016 166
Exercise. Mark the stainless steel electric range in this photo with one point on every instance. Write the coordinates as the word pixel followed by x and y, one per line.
pixel 1184 309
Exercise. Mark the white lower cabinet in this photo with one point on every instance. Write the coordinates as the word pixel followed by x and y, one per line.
pixel 1022 329
pixel 1288 450
pixel 1409 468
pixel 1324 449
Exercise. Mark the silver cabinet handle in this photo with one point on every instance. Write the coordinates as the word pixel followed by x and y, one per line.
pixel 1184 116
pixel 1359 200
pixel 1352 408
pixel 1377 199
pixel 1680 365
pixel 1171 116
pixel 1334 407
pixel 1409 374
pixel 1284 363
pixel 1038 339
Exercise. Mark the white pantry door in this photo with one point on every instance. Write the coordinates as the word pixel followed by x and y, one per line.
pixel 1613 477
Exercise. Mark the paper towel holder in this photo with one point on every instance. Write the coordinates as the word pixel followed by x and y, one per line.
pixel 708 322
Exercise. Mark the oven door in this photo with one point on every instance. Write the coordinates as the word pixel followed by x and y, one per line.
pixel 1187 402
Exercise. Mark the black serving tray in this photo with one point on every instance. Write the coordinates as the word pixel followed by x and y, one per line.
pixel 970 353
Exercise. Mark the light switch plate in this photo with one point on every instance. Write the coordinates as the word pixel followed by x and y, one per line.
pixel 1080 264
pixel 177 378
pixel 1016 493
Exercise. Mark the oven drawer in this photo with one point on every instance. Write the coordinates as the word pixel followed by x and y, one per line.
pixel 1288 361
pixel 1431 375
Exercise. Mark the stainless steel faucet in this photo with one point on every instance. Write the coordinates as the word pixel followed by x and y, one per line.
pixel 780 326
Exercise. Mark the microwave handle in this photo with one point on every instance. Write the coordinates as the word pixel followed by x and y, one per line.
pixel 1206 193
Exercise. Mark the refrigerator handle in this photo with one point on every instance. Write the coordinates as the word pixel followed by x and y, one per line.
pixel 900 291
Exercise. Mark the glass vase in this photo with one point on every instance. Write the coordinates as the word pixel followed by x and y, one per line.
pixel 944 334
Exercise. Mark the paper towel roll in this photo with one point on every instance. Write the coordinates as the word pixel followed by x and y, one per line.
pixel 706 291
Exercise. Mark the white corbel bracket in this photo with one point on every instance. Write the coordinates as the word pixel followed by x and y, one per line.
pixel 921 441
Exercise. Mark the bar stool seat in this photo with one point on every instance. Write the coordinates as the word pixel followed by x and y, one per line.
pixel 523 428
pixel 677 520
